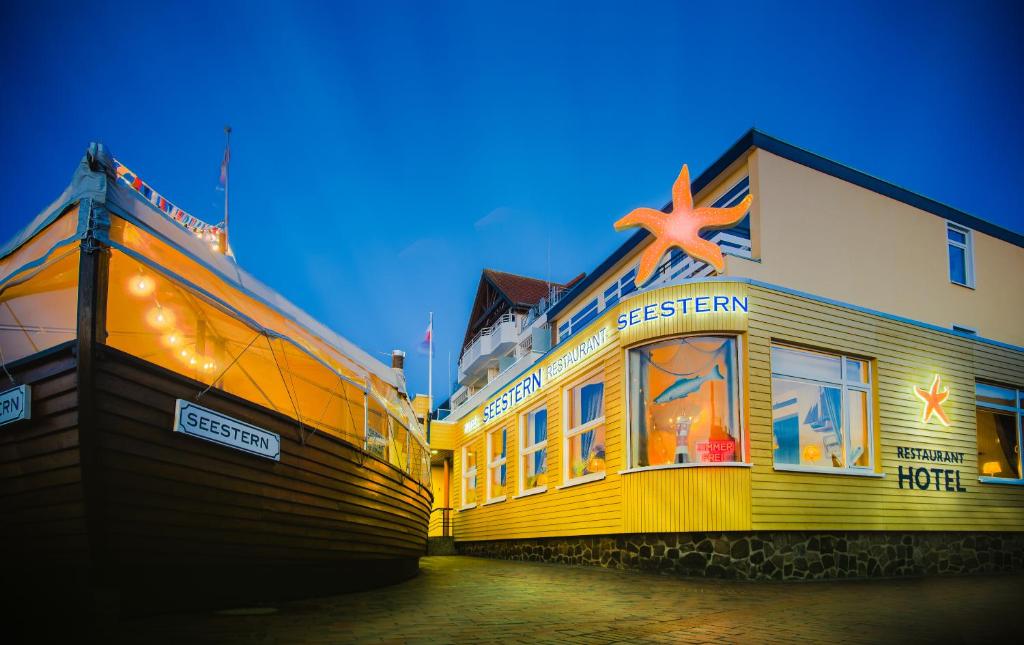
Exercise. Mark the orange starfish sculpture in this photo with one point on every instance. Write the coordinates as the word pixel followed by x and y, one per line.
pixel 933 400
pixel 682 227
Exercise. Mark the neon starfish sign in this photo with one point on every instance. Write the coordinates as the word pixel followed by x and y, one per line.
pixel 681 228
pixel 933 400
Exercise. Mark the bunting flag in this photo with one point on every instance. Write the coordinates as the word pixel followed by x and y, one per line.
pixel 201 229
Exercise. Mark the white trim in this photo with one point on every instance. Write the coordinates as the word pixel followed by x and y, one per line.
pixel 824 470
pixel 724 464
pixel 740 362
pixel 845 385
pixel 528 451
pixel 596 376
pixel 467 507
pixel 531 492
pixel 495 462
pixel 985 479
pixel 494 500
pixel 586 479
pixel 968 248
pixel 466 474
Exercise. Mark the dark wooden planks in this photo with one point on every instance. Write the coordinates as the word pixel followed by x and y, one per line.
pixel 42 517
pixel 170 497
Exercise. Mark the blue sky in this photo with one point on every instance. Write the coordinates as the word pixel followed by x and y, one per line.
pixel 384 153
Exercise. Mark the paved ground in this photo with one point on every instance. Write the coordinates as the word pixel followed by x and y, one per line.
pixel 460 600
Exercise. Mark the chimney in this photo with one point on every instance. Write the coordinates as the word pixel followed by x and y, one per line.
pixel 398 359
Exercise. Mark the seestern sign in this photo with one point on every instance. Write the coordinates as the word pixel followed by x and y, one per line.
pixel 16 404
pixel 209 425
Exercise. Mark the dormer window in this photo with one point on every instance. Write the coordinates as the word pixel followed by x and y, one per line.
pixel 961 255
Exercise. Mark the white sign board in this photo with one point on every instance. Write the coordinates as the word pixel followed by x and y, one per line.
pixel 16 404
pixel 197 421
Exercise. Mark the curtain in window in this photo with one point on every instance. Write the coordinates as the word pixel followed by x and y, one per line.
pixel 540 433
pixel 591 407
pixel 504 445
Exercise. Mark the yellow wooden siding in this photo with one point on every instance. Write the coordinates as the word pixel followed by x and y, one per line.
pixel 593 508
pixel 905 356
pixel 437 486
pixel 444 436
pixel 708 498
pixel 686 499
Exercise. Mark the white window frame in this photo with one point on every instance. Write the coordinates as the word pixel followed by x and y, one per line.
pixel 466 474
pixel 495 461
pixel 527 452
pixel 1019 412
pixel 570 432
pixel 968 248
pixel 846 385
pixel 741 441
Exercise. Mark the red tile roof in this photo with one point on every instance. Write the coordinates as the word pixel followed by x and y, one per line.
pixel 522 290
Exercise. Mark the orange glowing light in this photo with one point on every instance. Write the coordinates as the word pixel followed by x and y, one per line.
pixel 991 468
pixel 160 317
pixel 812 453
pixel 933 399
pixel 682 227
pixel 141 285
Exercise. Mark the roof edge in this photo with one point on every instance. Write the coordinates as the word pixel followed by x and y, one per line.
pixel 755 138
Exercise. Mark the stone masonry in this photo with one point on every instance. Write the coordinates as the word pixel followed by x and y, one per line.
pixel 774 555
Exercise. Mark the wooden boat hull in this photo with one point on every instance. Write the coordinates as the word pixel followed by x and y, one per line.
pixel 98 490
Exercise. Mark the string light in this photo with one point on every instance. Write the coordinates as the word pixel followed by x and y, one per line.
pixel 159 317
pixel 141 285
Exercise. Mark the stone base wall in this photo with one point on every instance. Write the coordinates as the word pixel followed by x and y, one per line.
pixel 774 555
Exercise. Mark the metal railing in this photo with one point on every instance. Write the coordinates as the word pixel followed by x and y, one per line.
pixel 474 344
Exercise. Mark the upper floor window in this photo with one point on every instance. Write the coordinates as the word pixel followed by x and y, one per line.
pixel 497 441
pixel 468 476
pixel 684 399
pixel 585 430
pixel 961 255
pixel 821 411
pixel 999 412
pixel 533 451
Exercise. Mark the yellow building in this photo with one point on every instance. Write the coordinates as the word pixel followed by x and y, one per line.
pixel 842 398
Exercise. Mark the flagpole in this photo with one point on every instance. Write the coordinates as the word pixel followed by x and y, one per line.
pixel 430 366
pixel 227 166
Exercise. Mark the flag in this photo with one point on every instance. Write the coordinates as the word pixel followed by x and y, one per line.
pixel 426 345
pixel 224 165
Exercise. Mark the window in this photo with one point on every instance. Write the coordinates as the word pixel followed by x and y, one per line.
pixel 999 432
pixel 533 452
pixel 496 468
pixel 821 411
pixel 584 436
pixel 961 257
pixel 684 402
pixel 468 477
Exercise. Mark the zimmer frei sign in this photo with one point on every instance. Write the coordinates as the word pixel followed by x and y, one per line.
pixel 210 425
pixel 531 383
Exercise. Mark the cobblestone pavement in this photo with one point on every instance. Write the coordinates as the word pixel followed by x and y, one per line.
pixel 458 599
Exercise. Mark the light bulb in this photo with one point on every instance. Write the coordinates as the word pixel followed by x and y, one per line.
pixel 141 285
pixel 159 317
